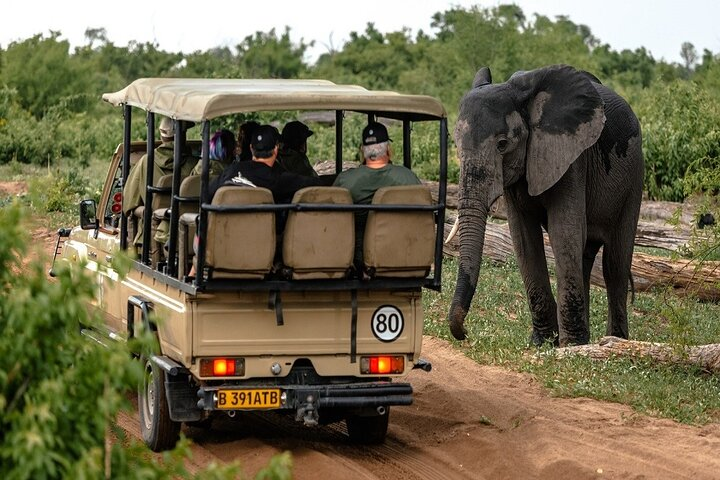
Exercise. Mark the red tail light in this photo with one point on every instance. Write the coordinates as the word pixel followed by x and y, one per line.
pixel 382 364
pixel 222 367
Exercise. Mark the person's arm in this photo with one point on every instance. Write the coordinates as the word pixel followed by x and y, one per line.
pixel 133 185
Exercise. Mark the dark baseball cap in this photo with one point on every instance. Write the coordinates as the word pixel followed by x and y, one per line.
pixel 264 138
pixel 375 133
pixel 295 133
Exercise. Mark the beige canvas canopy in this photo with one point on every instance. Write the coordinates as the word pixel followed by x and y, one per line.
pixel 196 99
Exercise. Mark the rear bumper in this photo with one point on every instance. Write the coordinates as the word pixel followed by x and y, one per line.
pixel 353 395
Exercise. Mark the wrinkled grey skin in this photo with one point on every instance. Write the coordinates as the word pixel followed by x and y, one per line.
pixel 566 153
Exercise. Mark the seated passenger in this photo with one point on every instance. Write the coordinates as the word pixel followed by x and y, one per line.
pixel 134 190
pixel 222 153
pixel 375 172
pixel 244 135
pixel 293 149
pixel 264 171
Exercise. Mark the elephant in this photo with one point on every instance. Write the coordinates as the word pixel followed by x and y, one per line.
pixel 565 152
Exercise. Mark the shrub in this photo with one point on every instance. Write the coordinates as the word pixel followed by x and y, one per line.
pixel 680 134
pixel 60 392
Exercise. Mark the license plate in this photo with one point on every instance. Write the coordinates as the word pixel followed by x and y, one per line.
pixel 249 399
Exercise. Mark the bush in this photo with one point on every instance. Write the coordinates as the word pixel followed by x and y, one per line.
pixel 60 392
pixel 680 134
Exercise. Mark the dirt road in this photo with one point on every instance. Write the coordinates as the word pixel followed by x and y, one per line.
pixel 473 422
pixel 468 422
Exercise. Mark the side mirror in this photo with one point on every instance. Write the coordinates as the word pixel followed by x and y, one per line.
pixel 88 215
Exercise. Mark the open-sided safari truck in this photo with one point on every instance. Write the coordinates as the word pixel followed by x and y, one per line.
pixel 310 338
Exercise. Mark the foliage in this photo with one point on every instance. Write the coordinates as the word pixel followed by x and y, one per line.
pixel 59 391
pixel 680 136
pixel 498 325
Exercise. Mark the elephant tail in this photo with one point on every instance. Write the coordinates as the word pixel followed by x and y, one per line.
pixel 632 289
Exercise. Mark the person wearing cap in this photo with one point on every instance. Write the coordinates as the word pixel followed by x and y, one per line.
pixel 293 149
pixel 376 171
pixel 263 170
pixel 134 190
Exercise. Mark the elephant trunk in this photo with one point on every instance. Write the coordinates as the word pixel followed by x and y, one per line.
pixel 472 216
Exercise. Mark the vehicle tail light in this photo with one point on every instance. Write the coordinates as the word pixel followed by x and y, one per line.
pixel 382 364
pixel 222 367
pixel 117 203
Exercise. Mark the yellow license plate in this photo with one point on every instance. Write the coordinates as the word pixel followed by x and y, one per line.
pixel 249 399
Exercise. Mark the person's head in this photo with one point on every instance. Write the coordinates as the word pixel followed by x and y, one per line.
pixel 222 146
pixel 244 136
pixel 264 142
pixel 295 135
pixel 375 144
pixel 167 129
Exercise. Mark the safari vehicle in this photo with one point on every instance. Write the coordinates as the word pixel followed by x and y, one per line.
pixel 311 338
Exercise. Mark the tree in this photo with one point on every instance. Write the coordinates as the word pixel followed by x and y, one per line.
pixel 689 56
pixel 42 71
pixel 265 55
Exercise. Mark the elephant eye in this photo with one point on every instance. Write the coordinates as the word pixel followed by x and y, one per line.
pixel 502 145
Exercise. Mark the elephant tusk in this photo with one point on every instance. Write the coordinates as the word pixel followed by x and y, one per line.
pixel 453 231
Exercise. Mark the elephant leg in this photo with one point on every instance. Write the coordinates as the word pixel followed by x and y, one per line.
pixel 617 261
pixel 591 250
pixel 568 250
pixel 530 252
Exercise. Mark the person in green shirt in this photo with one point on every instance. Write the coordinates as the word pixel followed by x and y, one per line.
pixel 376 171
pixel 293 150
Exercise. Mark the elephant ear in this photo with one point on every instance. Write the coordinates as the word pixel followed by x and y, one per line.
pixel 565 115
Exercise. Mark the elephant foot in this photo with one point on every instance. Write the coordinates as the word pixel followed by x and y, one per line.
pixel 538 339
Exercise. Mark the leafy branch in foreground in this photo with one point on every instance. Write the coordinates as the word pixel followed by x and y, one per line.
pixel 59 392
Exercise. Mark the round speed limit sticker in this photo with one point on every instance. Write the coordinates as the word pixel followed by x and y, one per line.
pixel 387 323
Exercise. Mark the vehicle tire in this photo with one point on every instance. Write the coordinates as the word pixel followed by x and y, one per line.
pixel 368 429
pixel 158 431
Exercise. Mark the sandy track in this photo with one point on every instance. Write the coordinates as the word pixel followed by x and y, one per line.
pixel 472 422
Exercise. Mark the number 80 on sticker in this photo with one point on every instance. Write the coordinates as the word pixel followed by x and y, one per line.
pixel 387 323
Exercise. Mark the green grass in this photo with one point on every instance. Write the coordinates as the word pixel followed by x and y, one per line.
pixel 498 326
pixel 55 191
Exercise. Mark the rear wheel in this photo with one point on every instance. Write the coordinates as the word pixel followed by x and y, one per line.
pixel 159 431
pixel 368 429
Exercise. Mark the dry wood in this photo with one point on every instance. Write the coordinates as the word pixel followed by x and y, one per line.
pixel 651 211
pixel 648 271
pixel 704 356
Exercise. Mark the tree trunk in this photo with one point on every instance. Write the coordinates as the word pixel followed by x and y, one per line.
pixel 706 357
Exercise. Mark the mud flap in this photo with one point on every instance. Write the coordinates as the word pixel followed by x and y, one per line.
pixel 182 399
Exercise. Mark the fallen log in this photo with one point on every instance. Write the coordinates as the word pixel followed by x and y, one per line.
pixel 658 212
pixel 685 277
pixel 706 357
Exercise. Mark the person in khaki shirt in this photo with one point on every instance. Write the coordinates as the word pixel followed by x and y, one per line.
pixel 134 190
